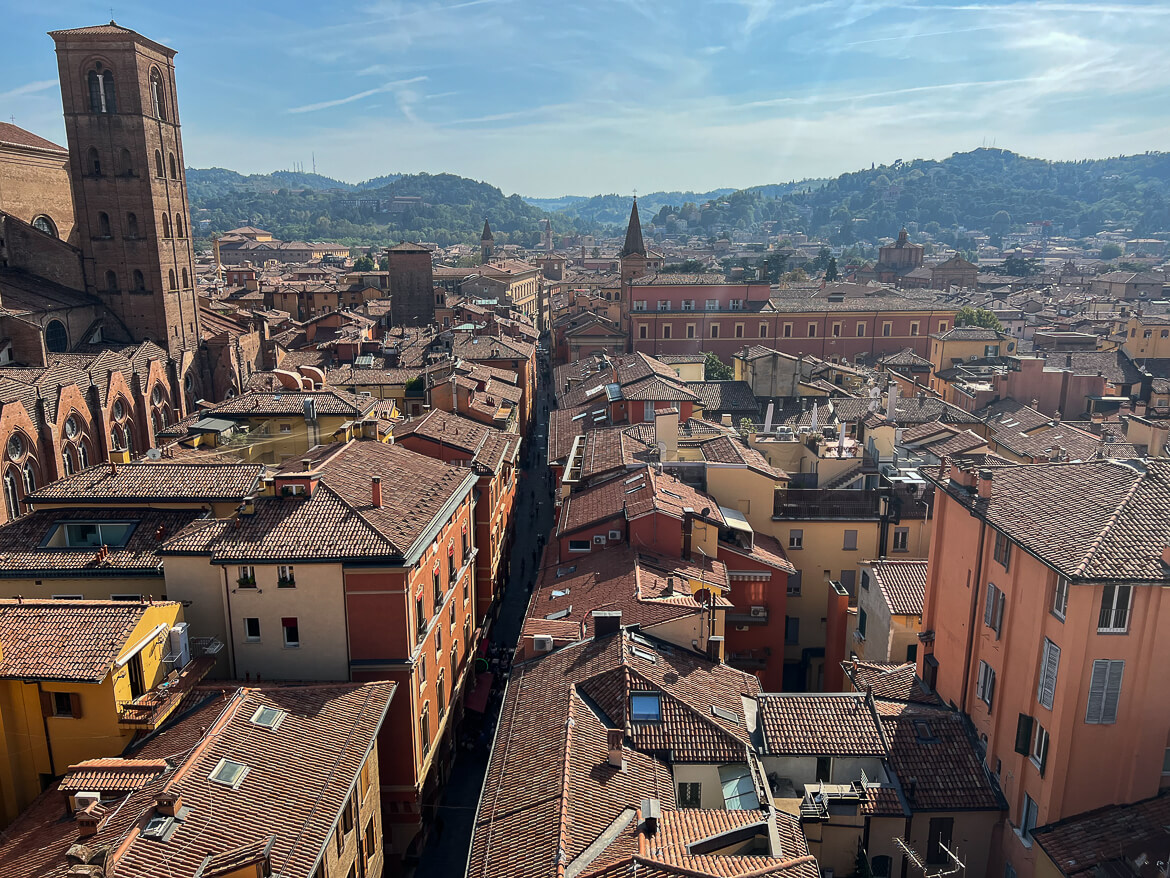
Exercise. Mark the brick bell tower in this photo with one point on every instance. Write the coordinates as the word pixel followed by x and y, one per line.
pixel 126 169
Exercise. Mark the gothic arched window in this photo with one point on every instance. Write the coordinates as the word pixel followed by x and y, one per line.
pixel 104 224
pixel 186 279
pixel 101 90
pixel 174 284
pixel 174 168
pixel 93 162
pixel 179 225
pixel 125 163
pixel 139 281
pixel 131 225
pixel 29 476
pixel 158 164
pixel 111 281
pixel 11 496
pixel 166 226
pixel 157 98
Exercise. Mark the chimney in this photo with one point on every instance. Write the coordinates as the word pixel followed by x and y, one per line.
pixel 985 484
pixel 666 432
pixel 606 622
pixel 669 585
pixel 617 755
pixel 168 802
pixel 687 530
pixel 725 420
pixel 306 464
pixel 651 812
pixel 376 486
pixel 715 648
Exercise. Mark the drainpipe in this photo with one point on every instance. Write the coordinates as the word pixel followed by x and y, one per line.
pixel 227 591
pixel 48 739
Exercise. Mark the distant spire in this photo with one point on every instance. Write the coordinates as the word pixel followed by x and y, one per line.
pixel 487 231
pixel 634 245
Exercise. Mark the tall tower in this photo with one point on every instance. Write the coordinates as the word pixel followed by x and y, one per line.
pixel 633 253
pixel 412 285
pixel 485 243
pixel 126 168
pixel 548 242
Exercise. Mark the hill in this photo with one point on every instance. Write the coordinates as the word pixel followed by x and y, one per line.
pixel 451 209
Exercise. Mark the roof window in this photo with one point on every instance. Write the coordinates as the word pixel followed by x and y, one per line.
pixel 90 534
pixel 269 717
pixel 723 713
pixel 229 773
pixel 646 707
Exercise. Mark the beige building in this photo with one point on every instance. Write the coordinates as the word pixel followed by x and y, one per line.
pixel 889 610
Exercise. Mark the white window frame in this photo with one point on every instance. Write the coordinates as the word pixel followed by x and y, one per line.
pixel 1060 599
pixel 1029 815
pixel 664 304
pixel 985 684
pixel 639 304
pixel 248 638
pixel 796 538
pixel 1039 746
pixel 712 305
pixel 1115 610
pixel 290 644
pixel 901 539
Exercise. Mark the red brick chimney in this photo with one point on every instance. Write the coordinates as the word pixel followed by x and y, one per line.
pixel 377 491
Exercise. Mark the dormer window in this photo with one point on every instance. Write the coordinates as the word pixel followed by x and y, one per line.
pixel 646 707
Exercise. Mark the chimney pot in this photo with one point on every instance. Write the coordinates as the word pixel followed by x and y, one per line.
pixel 306 464
pixel 615 740
pixel 376 486
pixel 715 648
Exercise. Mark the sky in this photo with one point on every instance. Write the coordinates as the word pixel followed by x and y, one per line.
pixel 554 97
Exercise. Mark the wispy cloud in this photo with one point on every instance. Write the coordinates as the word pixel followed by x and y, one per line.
pixel 29 88
pixel 349 99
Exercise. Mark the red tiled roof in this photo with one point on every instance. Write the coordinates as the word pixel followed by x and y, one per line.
pixel 13 135
pixel 111 775
pixel 190 482
pixel 1096 842
pixel 65 640
pixel 632 496
pixel 889 681
pixel 932 746
pixel 903 584
pixel 820 725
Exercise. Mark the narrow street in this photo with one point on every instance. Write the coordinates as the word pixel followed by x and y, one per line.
pixel 446 851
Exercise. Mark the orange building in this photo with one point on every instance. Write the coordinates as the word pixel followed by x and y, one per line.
pixel 1043 622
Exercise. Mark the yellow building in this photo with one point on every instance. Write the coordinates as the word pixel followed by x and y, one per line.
pixel 1147 338
pixel 79 679
pixel 889 610
pixel 965 343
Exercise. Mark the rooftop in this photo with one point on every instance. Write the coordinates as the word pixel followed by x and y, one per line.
pixel 146 482
pixel 840 724
pixel 903 584
pixel 1119 840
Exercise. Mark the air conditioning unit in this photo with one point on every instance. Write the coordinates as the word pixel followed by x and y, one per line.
pixel 599 540
pixel 759 612
pixel 542 643
pixel 615 535
pixel 81 801
pixel 180 646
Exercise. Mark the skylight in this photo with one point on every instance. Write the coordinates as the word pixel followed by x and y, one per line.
pixel 229 773
pixel 559 614
pixel 565 571
pixel 643 654
pixel 646 707
pixel 632 479
pixel 560 592
pixel 723 713
pixel 638 488
pixel 269 717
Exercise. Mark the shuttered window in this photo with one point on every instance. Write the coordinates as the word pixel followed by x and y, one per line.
pixel 1104 691
pixel 985 684
pixel 1049 665
pixel 993 609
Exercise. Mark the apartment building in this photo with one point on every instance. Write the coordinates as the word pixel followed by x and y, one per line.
pixel 248 782
pixel 1042 618
pixel 889 610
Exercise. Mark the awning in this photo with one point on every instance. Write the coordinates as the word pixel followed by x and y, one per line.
pixel 735 519
pixel 478 698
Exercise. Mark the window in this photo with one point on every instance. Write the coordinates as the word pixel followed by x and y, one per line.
pixel 690 330
pixel 991 350
pixel 187 281
pixel 179 233
pixel 688 304
pixel 735 304
pixel 292 631
pixel 666 330
pixel 939 837
pixel 43 224
pixel 1104 691
pixel 914 327
pixel 792 629
pixel 172 281
pixel 1166 761
pixel 850 540
pixel 251 629
pixel 862 621
pixel 268 717
pixel 1028 819
pixel 865 579
pixel 90 534
pixel 763 330
pixel 739 330
pixel 887 327
pixel 985 684
pixel 166 226
pixel 101 91
pixel 812 330
pixel 104 224
pixel 1003 550
pixel 1060 598
pixel 641 330
pixel 1115 601
pixel 1049 667
pixel 424 729
pixel 943 326
pixel 993 609
pixel 29 477
pixel 788 330
pixel 901 539
pixel 93 162
pixel 796 538
pixel 861 330
pixel 420 617
pixel 714 330
pixel 246 577
pixel 663 305
pixel 646 707
pixel 690 795
pixel 794 584
pixel 640 305
pixel 139 281
pixel 1039 748
pixel 229 773
pixel 712 304
pixel 63 704
pixel 437 585
pixel 441 692
pixel 174 169
pixel 158 164
pixel 11 496
pixel 836 329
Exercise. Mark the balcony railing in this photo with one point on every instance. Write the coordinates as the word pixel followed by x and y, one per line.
pixel 798 503
pixel 148 711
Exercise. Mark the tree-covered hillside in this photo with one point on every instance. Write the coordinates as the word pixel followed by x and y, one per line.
pixel 451 211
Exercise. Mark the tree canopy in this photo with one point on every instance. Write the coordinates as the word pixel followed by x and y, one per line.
pixel 716 370
pixel 968 316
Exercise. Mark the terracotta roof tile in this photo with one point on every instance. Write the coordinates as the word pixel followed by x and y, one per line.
pixel 193 483
pixel 12 135
pixel 889 681
pixel 903 584
pixel 1109 841
pixel 820 725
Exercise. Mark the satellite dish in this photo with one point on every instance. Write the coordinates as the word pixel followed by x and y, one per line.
pixel 154 454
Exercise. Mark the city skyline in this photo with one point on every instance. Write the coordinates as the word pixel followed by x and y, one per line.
pixel 631 93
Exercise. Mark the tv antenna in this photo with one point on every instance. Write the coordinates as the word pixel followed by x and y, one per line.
pixel 932 870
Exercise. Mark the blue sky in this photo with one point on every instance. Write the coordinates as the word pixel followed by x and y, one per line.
pixel 546 97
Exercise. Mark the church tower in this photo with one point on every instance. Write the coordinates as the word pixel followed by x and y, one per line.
pixel 126 170
pixel 633 252
pixel 485 244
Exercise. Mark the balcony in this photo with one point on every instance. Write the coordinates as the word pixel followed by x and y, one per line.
pixel 755 616
pixel 805 503
pixel 148 711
